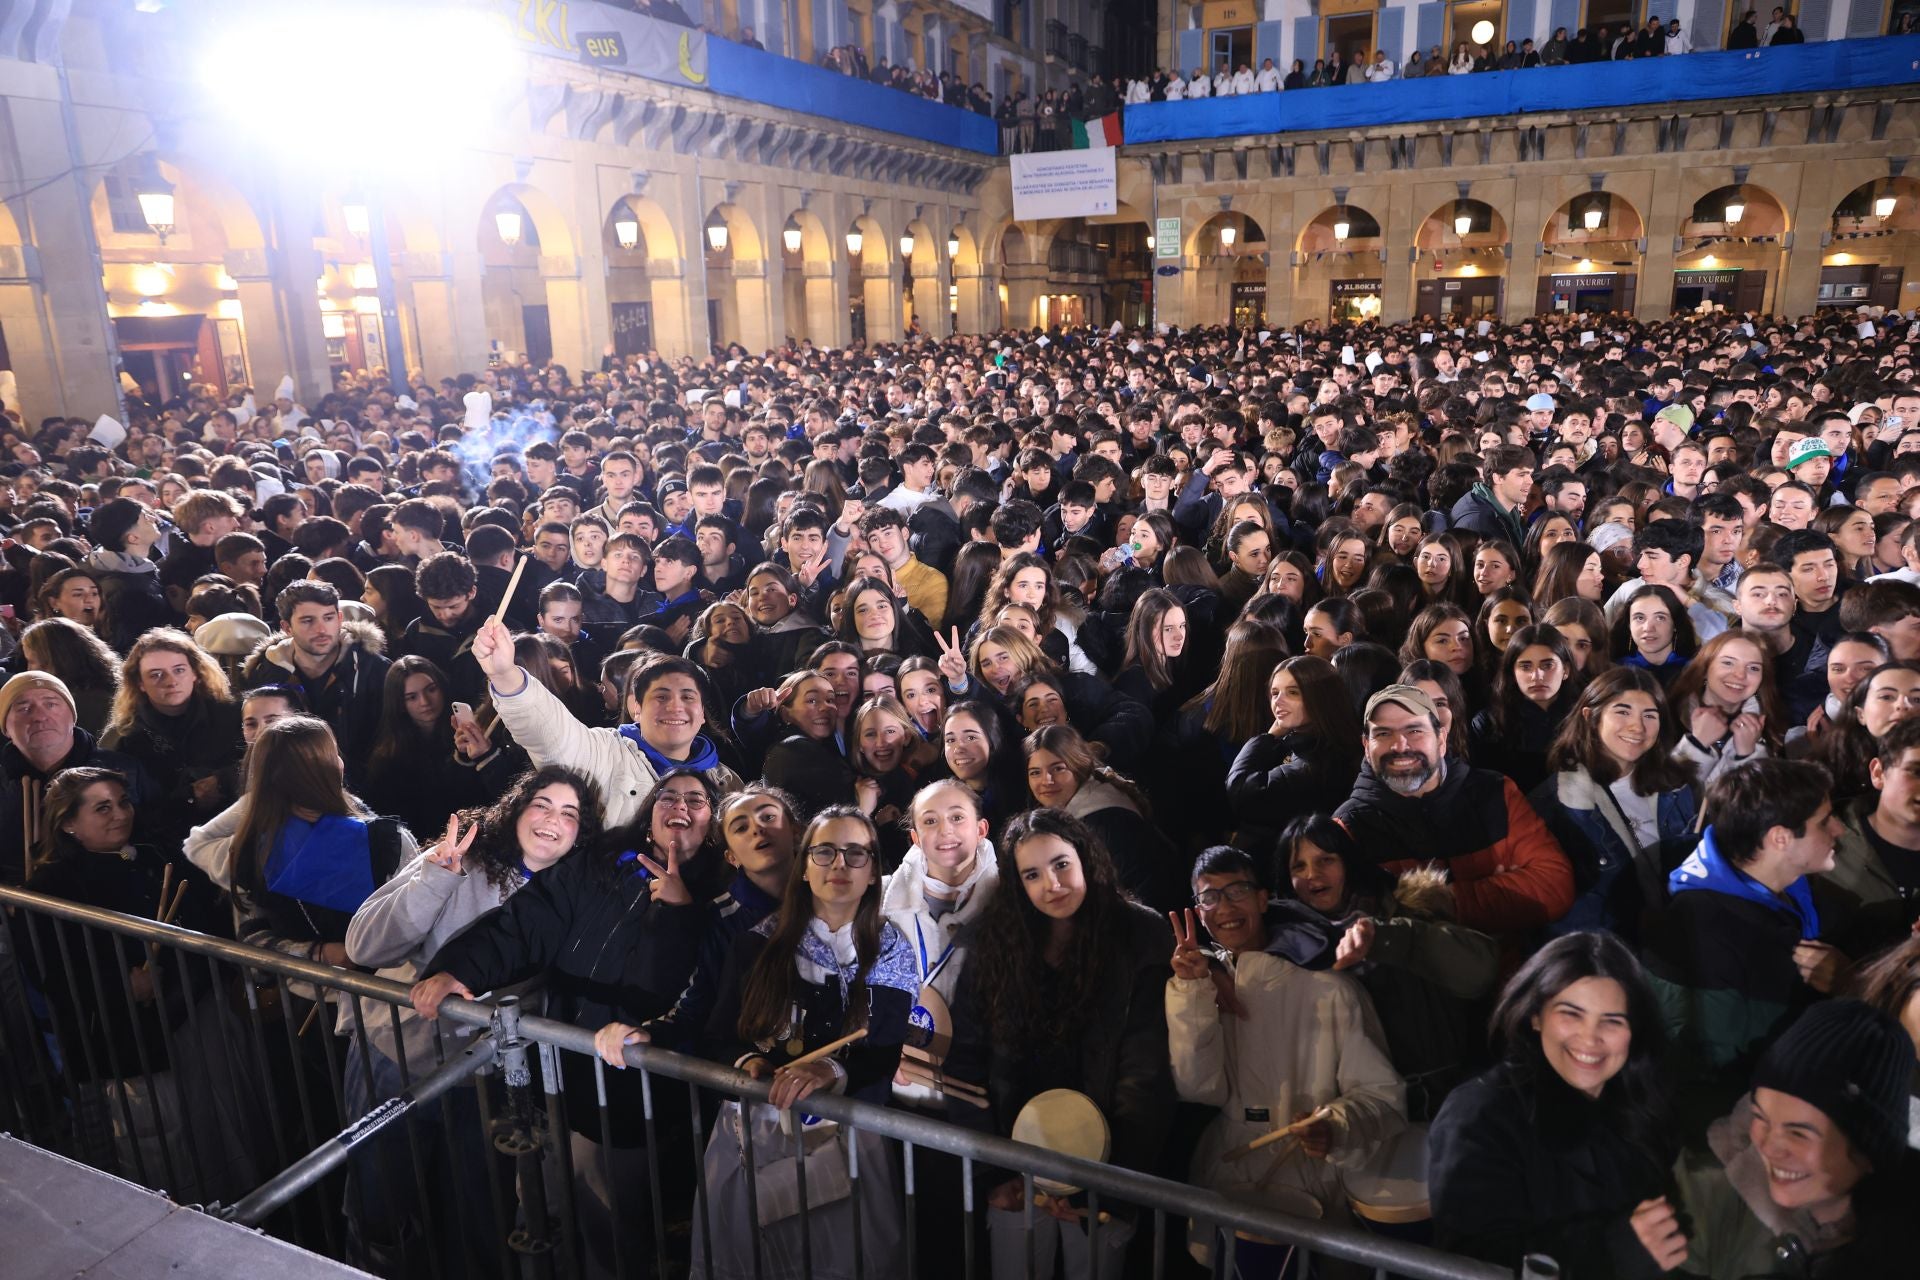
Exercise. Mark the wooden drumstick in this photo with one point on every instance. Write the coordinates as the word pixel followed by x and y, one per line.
pixel 960 1089
pixel 519 567
pixel 179 898
pixel 1288 1131
pixel 166 891
pixel 829 1049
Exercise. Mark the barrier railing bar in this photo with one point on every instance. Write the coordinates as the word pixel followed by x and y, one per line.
pixel 1120 1184
pixel 253 1208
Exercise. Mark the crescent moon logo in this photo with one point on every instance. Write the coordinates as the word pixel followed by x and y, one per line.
pixel 686 60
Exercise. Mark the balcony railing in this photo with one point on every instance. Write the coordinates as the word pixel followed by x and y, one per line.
pixel 1056 38
pixel 1077 51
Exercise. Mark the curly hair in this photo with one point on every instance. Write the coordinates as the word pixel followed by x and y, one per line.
pixel 210 682
pixel 496 850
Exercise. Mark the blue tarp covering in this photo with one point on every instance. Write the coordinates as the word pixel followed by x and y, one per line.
pixel 759 76
pixel 1839 64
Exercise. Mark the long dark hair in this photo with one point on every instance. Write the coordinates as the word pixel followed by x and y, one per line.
pixel 496 851
pixel 399 738
pixel 1577 744
pixel 767 996
pixel 1235 704
pixel 1143 628
pixel 1330 710
pixel 396 586
pixel 1507 702
pixel 1635 1095
pixel 1022 1011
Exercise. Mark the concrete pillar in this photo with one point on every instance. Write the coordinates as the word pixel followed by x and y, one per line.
pixel 1654 299
pixel 753 298
pixel 281 317
pixel 1797 292
pixel 1026 281
pixel 435 333
pixel 930 304
pixel 828 321
pixel 1397 231
pixel 71 300
pixel 881 291
pixel 977 298
pixel 567 312
pixel 674 332
pixel 23 319
pixel 1533 204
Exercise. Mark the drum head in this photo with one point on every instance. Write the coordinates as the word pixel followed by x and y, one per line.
pixel 1393 1186
pixel 1064 1121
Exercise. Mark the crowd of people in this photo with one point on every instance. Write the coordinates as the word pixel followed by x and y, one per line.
pixel 1496 745
pixel 1599 43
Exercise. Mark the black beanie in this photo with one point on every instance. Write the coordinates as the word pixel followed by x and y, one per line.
pixel 1854 1063
pixel 111 520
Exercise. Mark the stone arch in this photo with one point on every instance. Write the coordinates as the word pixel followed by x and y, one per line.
pixel 813 298
pixel 1206 240
pixel 1619 220
pixel 1762 212
pixel 1317 235
pixel 553 230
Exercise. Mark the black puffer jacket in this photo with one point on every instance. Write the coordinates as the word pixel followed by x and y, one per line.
pixel 177 751
pixel 609 952
pixel 1519 1162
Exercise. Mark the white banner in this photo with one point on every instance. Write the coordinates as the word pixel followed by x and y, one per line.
pixel 1063 184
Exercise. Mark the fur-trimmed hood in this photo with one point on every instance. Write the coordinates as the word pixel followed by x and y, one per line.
pixel 277 649
pixel 1425 893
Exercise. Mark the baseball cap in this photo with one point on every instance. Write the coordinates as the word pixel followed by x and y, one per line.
pixel 1410 697
pixel 1540 400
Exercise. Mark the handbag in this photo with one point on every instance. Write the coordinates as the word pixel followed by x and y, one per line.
pixel 776 1168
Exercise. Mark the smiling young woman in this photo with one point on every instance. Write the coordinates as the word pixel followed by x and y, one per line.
pixel 1552 1149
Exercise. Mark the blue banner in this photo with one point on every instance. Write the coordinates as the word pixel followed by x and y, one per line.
pixel 759 76
pixel 1806 68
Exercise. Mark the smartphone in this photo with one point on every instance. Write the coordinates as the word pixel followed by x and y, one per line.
pixel 462 709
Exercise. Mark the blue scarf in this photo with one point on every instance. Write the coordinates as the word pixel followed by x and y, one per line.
pixel 1706 870
pixel 325 863
pixel 703 755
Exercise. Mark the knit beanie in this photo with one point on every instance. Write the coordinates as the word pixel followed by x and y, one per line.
pixel 1854 1063
pixel 26 680
pixel 111 520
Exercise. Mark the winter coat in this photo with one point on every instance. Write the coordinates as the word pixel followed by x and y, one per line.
pixel 132 601
pixel 1720 960
pixel 737 910
pixel 1148 865
pixel 1709 759
pixel 15 768
pixel 1616 878
pixel 347 696
pixel 1308 1040
pixel 609 952
pixel 400 929
pixel 1509 874
pixel 1119 1059
pixel 1734 1229
pixel 1477 512
pixel 1520 1162
pixel 202 742
pixel 1275 780
pixel 814 771
pixel 1431 979
pixel 540 722
pixel 1519 750
pixel 1861 906
pixel 98 1038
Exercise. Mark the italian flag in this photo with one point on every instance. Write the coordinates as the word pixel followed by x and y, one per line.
pixel 1104 132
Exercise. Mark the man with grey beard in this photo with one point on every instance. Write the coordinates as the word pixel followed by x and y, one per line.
pixel 1413 805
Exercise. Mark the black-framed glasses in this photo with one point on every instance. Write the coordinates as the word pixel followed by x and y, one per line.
pixel 854 855
pixel 1236 893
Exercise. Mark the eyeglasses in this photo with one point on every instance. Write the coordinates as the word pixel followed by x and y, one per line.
pixel 684 800
pixel 854 855
pixel 1236 893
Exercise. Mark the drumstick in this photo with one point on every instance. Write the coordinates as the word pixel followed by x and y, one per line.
pixel 311 1015
pixel 960 1089
pixel 173 908
pixel 26 829
pixel 166 889
pixel 1288 1131
pixel 927 1066
pixel 1041 1200
pixel 519 567
pixel 829 1049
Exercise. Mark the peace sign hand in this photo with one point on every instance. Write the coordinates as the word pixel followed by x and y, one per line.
pixel 452 849
pixel 664 883
pixel 1189 961
pixel 953 659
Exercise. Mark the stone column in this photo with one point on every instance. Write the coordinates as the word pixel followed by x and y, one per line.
pixel 829 323
pixel 567 312
pixel 281 318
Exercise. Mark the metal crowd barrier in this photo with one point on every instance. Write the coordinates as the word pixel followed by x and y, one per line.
pixel 276 1092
